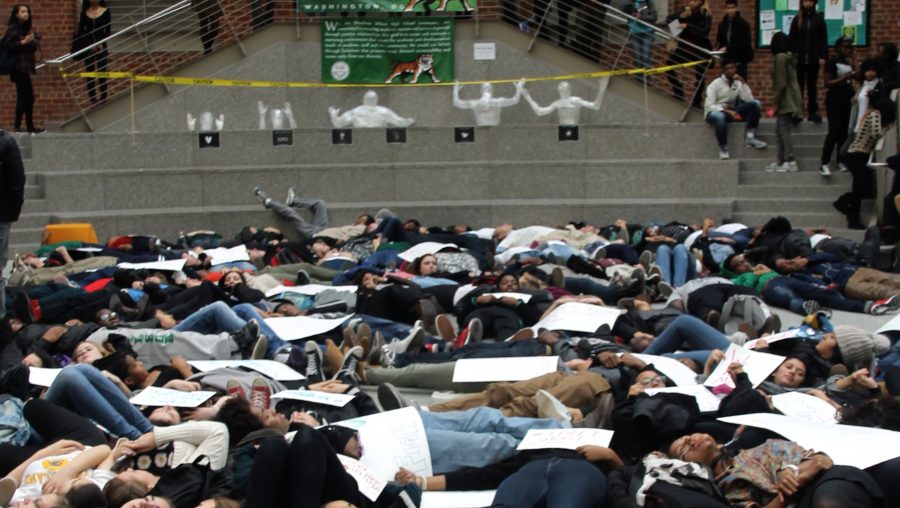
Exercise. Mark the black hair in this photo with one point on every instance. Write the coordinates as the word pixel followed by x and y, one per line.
pixel 870 64
pixel 87 3
pixel 416 266
pixel 886 107
pixel 725 62
pixel 890 52
pixel 507 273
pixel 240 420
pixel 840 41
pixel 780 43
pixel 882 413
pixel 46 359
pixel 369 218
pixel 414 223
pixel 25 27
pixel 806 361
pixel 87 495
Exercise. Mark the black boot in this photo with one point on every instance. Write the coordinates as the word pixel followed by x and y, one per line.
pixel 580 265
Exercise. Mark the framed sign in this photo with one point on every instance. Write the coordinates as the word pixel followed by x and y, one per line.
pixel 849 18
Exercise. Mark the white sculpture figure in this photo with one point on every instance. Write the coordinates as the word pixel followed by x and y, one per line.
pixel 568 107
pixel 368 115
pixel 487 107
pixel 277 116
pixel 206 122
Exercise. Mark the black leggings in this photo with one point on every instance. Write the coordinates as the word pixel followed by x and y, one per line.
pixel 838 112
pixel 24 98
pixel 51 423
pixel 303 474
pixel 808 79
pixel 842 487
pixel 97 62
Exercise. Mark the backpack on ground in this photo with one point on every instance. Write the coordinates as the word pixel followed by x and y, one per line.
pixel 743 309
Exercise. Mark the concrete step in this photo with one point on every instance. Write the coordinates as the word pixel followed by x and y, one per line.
pixel 35 206
pixel 228 220
pixel 806 205
pixel 799 138
pixel 22 248
pixel 753 173
pixel 31 220
pixel 787 191
pixel 767 126
pixel 746 152
pixel 798 219
pixel 34 192
pixel 25 235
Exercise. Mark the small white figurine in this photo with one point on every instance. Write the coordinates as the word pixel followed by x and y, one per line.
pixel 277 116
pixel 207 122
pixel 568 107
pixel 487 108
pixel 368 115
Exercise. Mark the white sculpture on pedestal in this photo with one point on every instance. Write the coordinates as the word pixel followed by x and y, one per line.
pixel 368 115
pixel 568 107
pixel 487 108
pixel 207 122
pixel 277 116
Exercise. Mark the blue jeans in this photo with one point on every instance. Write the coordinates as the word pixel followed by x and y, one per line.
pixel 553 483
pixel 790 293
pixel 4 256
pixel 749 111
pixel 691 332
pixel 586 286
pixel 676 264
pixel 562 252
pixel 83 390
pixel 642 45
pixel 476 437
pixel 218 317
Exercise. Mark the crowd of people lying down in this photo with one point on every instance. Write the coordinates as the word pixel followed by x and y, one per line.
pixel 113 321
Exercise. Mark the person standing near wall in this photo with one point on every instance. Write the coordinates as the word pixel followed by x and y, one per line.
pixel 786 102
pixel 809 41
pixel 210 13
pixel 12 195
pixel 839 75
pixel 733 37
pixel 94 25
pixel 22 43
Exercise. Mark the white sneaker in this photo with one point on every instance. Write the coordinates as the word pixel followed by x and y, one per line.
pixel 825 170
pixel 755 143
pixel 551 407
pixel 791 166
pixel 723 154
pixel 843 167
pixel 773 167
pixel 783 168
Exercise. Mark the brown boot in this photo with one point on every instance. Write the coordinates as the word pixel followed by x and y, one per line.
pixel 333 357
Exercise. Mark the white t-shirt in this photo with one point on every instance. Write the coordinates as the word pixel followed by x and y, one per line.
pixel 40 471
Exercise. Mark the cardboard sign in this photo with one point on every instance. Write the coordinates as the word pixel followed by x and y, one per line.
pixel 678 372
pixel 301 327
pixel 209 140
pixel 522 297
pixel 458 499
pixel 464 134
pixel 39 376
pixel 706 401
pixel 283 138
pixel 221 255
pixel 568 439
pixel 269 368
pixel 153 396
pixel 757 365
pixel 805 406
pixel 421 249
pixel 392 440
pixel 308 289
pixel 328 399
pixel 486 370
pixel 172 265
pixel 579 317
pixel 775 337
pixel 366 480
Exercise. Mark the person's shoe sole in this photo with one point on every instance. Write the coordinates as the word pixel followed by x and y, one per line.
pixel 550 407
pixel 444 327
pixel 390 397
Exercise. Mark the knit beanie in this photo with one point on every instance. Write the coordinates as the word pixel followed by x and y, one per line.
pixel 858 347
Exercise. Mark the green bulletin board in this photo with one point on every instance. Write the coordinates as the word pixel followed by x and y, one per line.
pixel 842 17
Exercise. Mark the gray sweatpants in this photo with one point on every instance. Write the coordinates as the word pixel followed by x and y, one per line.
pixel 783 138
pixel 306 229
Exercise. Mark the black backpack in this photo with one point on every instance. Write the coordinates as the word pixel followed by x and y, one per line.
pixel 187 485
pixel 7 62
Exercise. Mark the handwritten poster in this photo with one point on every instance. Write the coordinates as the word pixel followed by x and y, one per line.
pixel 301 327
pixel 370 485
pixel 486 370
pixel 579 317
pixel 153 396
pixel 805 406
pixel 392 440
pixel 275 370
pixel 757 365
pixel 567 439
pixel 706 401
pixel 329 399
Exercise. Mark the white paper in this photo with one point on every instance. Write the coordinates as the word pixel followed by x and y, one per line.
pixel 767 20
pixel 579 317
pixel 567 439
pixel 301 327
pixel 834 9
pixel 221 255
pixel 368 483
pixel 786 21
pixel 416 251
pixel 847 445
pixel 757 365
pixel 706 401
pixel 805 406
pixel 890 326
pixel 852 18
pixel 308 289
pixel 485 51
pixel 173 265
pixel 775 337
pixel 391 440
pixel 678 372
pixel 524 297
pixel 675 27
pixel 457 499
pixel 329 399
pixel 89 249
pixel 794 5
pixel 487 370
pixel 767 37
pixel 39 376
pixel 858 5
pixel 153 396
pixel 270 368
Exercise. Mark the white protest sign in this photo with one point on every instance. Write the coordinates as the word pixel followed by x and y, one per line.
pixel 457 499
pixel 579 317
pixel 524 297
pixel 567 439
pixel 485 50
pixel 891 326
pixel 675 28
pixel 329 399
pixel 308 289
pixel 392 440
pixel 834 9
pixel 706 401
pixel 301 327
pixel 270 368
pixel 847 445
pixel 368 483
pixel 172 265
pixel 39 376
pixel 221 255
pixel 775 337
pixel 805 406
pixel 416 251
pixel 757 365
pixel 153 396
pixel 486 370
pixel 679 373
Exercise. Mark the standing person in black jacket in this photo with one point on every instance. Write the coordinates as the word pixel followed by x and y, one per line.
pixel 839 75
pixel 809 41
pixel 94 25
pixel 12 195
pixel 733 37
pixel 695 23
pixel 22 43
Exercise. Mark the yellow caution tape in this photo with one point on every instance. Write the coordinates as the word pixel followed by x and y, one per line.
pixel 176 80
